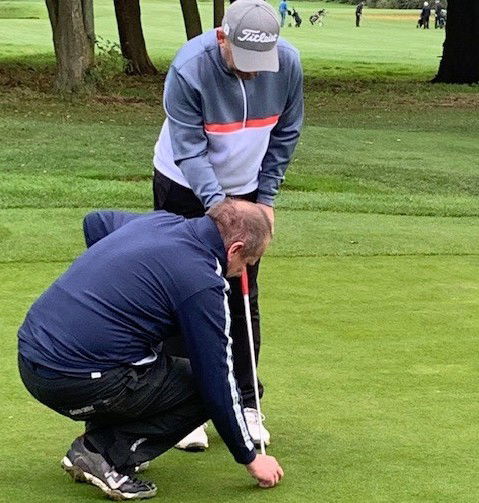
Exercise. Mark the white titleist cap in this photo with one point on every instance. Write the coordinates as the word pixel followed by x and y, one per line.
pixel 252 27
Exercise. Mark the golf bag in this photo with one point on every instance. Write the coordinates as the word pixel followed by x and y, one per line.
pixel 297 18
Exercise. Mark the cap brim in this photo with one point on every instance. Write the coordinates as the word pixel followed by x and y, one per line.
pixel 255 61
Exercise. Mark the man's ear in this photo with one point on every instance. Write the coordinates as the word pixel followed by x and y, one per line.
pixel 235 249
pixel 220 35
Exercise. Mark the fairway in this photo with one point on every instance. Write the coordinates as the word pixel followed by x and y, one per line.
pixel 388 39
pixel 369 291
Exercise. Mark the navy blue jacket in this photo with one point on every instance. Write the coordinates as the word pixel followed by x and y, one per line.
pixel 144 278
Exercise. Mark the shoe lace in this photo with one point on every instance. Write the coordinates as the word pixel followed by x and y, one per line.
pixel 126 478
pixel 142 482
pixel 252 415
pixel 137 481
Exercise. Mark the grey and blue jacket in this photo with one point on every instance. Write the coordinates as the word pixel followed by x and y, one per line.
pixel 144 278
pixel 224 135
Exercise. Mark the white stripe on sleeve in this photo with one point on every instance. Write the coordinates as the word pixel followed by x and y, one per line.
pixel 229 363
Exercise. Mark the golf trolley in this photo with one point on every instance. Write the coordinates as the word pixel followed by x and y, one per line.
pixel 318 17
pixel 297 19
pixel 441 18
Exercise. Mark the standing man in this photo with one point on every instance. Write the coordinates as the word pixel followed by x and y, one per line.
pixel 234 104
pixel 90 347
pixel 283 11
pixel 359 13
pixel 425 15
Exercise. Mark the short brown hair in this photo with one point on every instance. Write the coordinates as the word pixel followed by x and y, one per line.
pixel 239 220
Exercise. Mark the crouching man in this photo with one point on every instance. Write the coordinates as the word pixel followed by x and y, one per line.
pixel 90 347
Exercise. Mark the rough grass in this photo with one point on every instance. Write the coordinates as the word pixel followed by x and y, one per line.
pixel 370 158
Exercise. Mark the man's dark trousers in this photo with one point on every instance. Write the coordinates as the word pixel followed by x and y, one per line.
pixel 132 413
pixel 175 198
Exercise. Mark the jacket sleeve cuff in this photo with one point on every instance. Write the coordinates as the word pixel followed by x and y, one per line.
pixel 217 198
pixel 246 460
pixel 265 199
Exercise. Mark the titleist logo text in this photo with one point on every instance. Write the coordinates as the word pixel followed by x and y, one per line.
pixel 257 36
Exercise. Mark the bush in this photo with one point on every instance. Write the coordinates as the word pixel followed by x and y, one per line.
pixel 109 61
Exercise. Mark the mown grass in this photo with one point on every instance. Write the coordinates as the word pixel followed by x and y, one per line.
pixel 370 369
pixel 368 293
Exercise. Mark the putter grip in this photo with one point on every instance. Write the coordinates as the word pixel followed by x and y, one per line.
pixel 244 282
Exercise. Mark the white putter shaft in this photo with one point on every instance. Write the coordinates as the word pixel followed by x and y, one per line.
pixel 249 326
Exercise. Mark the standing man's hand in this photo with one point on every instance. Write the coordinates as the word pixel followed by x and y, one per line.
pixel 269 210
pixel 266 470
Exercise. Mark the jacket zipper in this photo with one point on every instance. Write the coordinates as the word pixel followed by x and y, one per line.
pixel 245 104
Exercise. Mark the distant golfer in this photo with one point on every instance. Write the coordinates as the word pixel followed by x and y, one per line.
pixel 90 347
pixel 425 15
pixel 438 15
pixel 283 11
pixel 233 100
pixel 359 13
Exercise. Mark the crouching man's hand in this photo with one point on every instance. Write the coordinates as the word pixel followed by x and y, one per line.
pixel 266 470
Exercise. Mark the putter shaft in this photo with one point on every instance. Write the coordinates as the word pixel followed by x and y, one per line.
pixel 249 327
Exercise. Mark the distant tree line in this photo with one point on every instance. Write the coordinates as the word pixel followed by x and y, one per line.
pixel 72 23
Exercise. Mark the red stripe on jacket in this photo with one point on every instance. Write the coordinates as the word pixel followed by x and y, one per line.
pixel 236 126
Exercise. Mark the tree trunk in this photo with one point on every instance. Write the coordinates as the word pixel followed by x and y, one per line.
pixel 132 41
pixel 218 12
pixel 191 17
pixel 460 58
pixel 89 23
pixel 73 41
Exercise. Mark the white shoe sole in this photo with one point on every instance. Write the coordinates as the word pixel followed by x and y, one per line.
pixel 78 475
pixel 193 447
pixel 142 467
